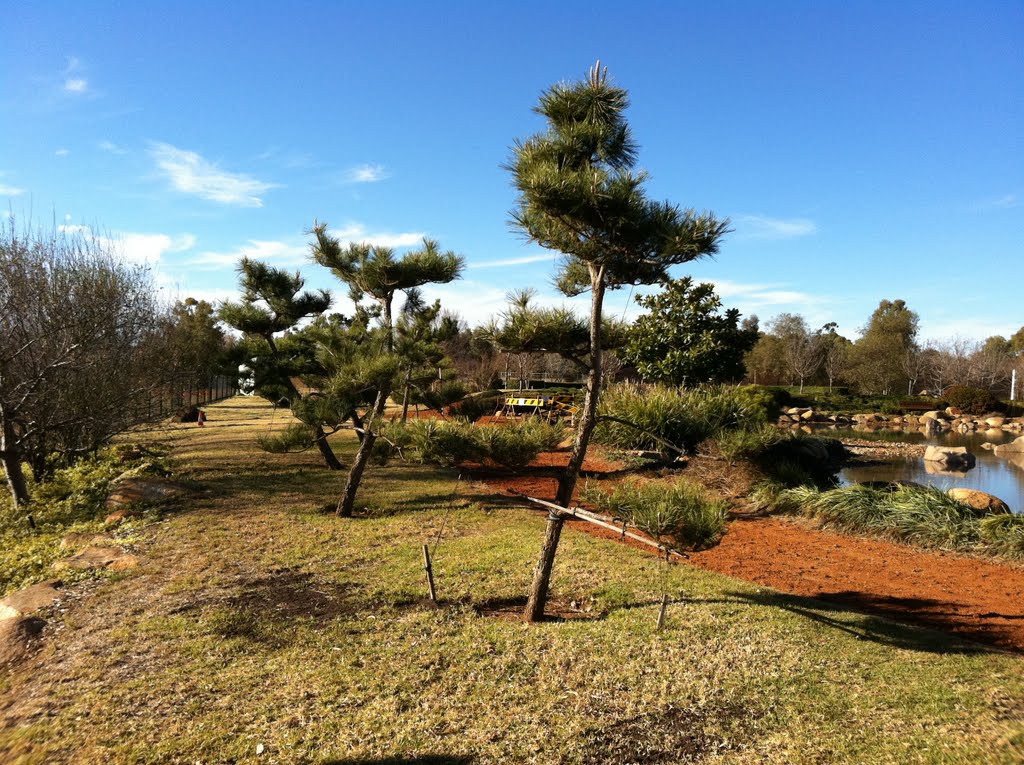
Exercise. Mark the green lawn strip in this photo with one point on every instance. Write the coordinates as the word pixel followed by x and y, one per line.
pixel 257 619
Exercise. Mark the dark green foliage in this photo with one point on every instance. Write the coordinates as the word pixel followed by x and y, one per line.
pixel 972 400
pixel 685 339
pixel 273 302
pixel 680 514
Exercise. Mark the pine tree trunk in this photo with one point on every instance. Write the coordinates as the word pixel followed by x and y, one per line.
pixel 567 482
pixel 10 455
pixel 325 449
pixel 542 573
pixel 355 474
pixel 405 396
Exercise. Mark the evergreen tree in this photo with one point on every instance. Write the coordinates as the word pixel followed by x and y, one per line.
pixel 684 339
pixel 376 274
pixel 273 303
pixel 578 195
pixel 887 340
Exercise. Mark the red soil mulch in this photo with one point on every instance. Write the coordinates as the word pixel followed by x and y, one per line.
pixel 976 599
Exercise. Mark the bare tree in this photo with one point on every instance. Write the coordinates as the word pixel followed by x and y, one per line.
pixel 80 348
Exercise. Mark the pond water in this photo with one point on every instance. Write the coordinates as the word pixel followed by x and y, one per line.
pixel 1002 477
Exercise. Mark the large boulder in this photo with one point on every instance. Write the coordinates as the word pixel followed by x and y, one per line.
pixel 1014 447
pixel 995 422
pixel 18 636
pixel 950 456
pixel 984 503
pixel 27 601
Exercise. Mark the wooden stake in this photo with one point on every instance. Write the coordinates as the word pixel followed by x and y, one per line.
pixel 429 568
pixel 661 613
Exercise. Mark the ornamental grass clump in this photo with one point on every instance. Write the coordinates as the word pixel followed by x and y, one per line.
pixel 453 442
pixel 517 445
pixel 920 515
pixel 680 515
pixel 682 416
pixel 1005 533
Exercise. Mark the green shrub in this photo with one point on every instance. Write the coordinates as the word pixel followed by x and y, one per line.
pixel 972 400
pixel 454 442
pixel 746 444
pixel 439 442
pixel 1005 532
pixel 922 515
pixel 681 416
pixel 71 500
pixel 680 514
pixel 516 445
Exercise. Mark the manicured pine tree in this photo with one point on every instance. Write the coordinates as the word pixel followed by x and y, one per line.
pixel 272 303
pixel 377 274
pixel 579 195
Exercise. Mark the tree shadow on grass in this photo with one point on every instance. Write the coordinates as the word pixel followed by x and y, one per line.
pixel 932 636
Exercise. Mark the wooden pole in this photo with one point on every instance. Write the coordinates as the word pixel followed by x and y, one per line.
pixel 429 568
pixel 661 613
pixel 586 515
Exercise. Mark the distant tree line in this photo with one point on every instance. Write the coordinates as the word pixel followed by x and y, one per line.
pixel 887 359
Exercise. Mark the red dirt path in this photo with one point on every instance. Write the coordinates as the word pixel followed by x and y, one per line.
pixel 976 599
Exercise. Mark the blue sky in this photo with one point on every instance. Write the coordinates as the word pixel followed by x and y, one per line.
pixel 864 151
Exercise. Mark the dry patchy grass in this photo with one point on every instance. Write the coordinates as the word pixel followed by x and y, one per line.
pixel 259 620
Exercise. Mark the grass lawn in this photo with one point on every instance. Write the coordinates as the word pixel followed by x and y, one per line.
pixel 261 629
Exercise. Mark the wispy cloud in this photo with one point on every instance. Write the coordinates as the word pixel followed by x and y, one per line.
pixel 277 252
pixel 62 152
pixel 74 82
pixel 146 249
pixel 764 295
pixel 293 251
pixel 366 174
pixel 1005 202
pixel 111 148
pixel 10 191
pixel 522 261
pixel 192 174
pixel 763 227
pixel 356 232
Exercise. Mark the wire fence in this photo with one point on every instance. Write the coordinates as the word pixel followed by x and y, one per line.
pixel 182 398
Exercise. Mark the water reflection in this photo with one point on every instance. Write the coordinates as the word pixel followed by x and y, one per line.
pixel 1002 477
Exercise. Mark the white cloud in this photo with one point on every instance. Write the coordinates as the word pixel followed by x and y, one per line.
pixel 766 294
pixel 295 251
pixel 62 152
pixel 10 191
pixel 111 147
pixel 192 174
pixel 146 249
pixel 276 252
pixel 356 232
pixel 366 174
pixel 1005 202
pixel 763 227
pixel 522 261
pixel 76 85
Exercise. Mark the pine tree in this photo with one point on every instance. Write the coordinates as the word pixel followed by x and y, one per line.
pixel 273 303
pixel 375 273
pixel 578 195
